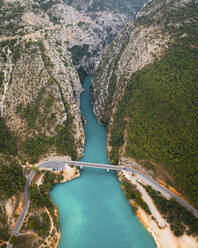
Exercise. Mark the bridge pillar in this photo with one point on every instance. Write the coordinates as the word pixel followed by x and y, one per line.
pixel 107 170
pixel 81 167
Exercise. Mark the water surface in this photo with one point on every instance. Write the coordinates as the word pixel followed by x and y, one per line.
pixel 94 212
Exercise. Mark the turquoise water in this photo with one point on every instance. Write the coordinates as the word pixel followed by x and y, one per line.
pixel 94 212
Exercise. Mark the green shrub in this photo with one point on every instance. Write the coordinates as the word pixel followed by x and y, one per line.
pixel 7 140
pixel 12 179
pixel 1 78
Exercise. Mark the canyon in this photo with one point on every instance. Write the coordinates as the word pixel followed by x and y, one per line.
pixel 47 50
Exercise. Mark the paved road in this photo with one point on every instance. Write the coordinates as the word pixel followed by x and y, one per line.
pixel 62 165
pixel 25 209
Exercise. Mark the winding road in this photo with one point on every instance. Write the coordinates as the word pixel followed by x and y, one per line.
pixel 62 165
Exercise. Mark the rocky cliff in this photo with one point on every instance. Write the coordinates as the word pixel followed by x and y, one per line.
pixel 40 115
pixel 145 90
pixel 40 88
pixel 39 104
pixel 104 19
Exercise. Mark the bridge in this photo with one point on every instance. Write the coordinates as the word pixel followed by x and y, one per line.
pixel 95 165
pixel 62 165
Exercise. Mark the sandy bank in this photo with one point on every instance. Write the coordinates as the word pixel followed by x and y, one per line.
pixel 164 237
pixel 159 228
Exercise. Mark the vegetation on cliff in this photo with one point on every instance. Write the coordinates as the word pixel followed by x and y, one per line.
pixel 12 179
pixel 159 111
pixel 157 114
pixel 63 142
pixel 7 141
pixel 40 113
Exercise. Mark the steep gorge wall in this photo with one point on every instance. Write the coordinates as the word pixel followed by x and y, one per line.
pixel 40 112
pixel 40 88
pixel 141 91
pixel 133 48
pixel 105 19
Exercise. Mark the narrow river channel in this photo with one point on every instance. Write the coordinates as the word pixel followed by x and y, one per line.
pixel 94 212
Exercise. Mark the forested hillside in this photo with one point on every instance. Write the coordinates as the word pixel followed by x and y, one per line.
pixel 161 105
pixel 155 106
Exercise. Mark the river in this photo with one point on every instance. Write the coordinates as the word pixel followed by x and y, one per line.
pixel 94 212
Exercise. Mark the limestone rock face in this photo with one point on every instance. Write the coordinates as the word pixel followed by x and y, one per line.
pixel 40 87
pixel 90 25
pixel 134 47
